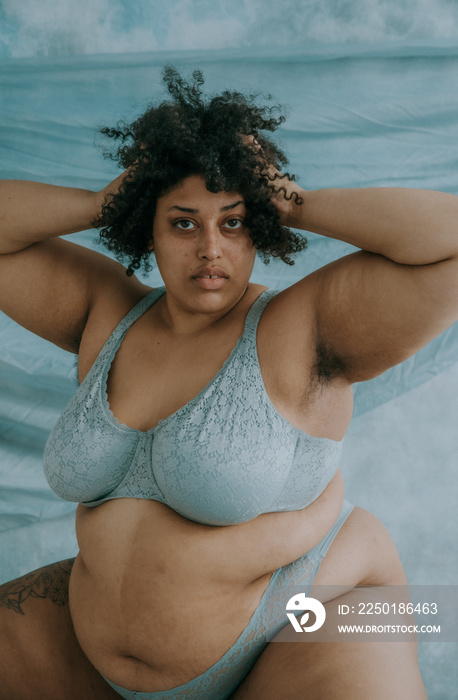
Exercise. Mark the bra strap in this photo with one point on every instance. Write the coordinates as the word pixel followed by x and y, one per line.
pixel 137 311
pixel 254 314
pixel 113 342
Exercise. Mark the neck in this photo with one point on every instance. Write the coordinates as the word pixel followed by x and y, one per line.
pixel 185 321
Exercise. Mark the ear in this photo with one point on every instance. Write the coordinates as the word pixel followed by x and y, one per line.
pixel 150 245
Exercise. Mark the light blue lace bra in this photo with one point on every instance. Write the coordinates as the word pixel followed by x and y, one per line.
pixel 223 458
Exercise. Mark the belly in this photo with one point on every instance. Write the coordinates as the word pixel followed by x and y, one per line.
pixel 157 599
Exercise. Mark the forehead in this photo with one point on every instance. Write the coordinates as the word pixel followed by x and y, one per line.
pixel 192 193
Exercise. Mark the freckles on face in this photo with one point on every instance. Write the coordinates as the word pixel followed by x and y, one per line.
pixel 200 238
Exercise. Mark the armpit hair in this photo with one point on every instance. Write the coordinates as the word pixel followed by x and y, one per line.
pixel 328 365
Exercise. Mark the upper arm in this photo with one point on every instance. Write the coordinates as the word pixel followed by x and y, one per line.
pixel 372 313
pixel 50 286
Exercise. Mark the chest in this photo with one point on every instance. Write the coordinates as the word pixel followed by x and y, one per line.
pixel 225 456
pixel 151 376
pixel 199 429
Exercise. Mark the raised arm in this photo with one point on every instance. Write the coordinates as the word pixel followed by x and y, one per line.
pixel 31 212
pixel 377 307
pixel 47 284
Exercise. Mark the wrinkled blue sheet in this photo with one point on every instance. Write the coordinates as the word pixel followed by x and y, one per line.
pixel 358 115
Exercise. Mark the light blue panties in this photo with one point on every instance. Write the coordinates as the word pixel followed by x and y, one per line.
pixel 221 679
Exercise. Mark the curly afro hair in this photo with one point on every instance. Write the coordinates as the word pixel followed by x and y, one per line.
pixel 189 135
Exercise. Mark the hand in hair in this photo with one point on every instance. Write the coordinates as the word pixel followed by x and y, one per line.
pixel 285 191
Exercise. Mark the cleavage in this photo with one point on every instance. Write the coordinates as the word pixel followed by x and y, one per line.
pixel 152 377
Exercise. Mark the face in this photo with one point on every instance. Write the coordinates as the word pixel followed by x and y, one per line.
pixel 203 249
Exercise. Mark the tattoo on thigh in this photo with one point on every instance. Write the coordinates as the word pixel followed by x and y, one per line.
pixel 49 582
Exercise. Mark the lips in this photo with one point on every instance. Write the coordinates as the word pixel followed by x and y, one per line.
pixel 210 272
pixel 210 278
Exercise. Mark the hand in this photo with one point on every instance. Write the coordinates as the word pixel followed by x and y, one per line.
pixel 103 196
pixel 287 195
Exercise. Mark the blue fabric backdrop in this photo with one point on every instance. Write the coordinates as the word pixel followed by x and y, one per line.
pixel 371 93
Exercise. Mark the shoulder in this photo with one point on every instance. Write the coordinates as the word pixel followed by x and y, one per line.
pixel 289 329
pixel 287 324
pixel 54 287
pixel 115 294
pixel 303 378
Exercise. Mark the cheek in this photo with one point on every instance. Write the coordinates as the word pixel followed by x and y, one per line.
pixel 172 258
pixel 248 253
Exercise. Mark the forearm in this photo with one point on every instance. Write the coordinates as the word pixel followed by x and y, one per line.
pixel 414 227
pixel 32 212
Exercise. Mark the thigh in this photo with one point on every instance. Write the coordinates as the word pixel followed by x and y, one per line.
pixel 335 671
pixel 362 553
pixel 40 657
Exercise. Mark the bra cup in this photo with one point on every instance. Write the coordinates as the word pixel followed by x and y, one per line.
pixel 224 458
pixel 82 461
pixel 220 477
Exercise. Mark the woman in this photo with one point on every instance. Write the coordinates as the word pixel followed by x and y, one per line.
pixel 203 441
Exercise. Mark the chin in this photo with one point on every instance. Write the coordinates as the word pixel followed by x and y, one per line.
pixel 212 301
pixel 209 302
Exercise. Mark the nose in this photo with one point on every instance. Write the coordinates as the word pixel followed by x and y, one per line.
pixel 210 242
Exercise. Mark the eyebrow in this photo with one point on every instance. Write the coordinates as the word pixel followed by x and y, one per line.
pixel 196 211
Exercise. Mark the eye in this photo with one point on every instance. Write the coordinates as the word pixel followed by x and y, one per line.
pixel 234 224
pixel 185 225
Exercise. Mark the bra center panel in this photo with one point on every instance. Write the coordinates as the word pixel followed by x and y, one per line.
pixel 226 456
pixel 140 480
